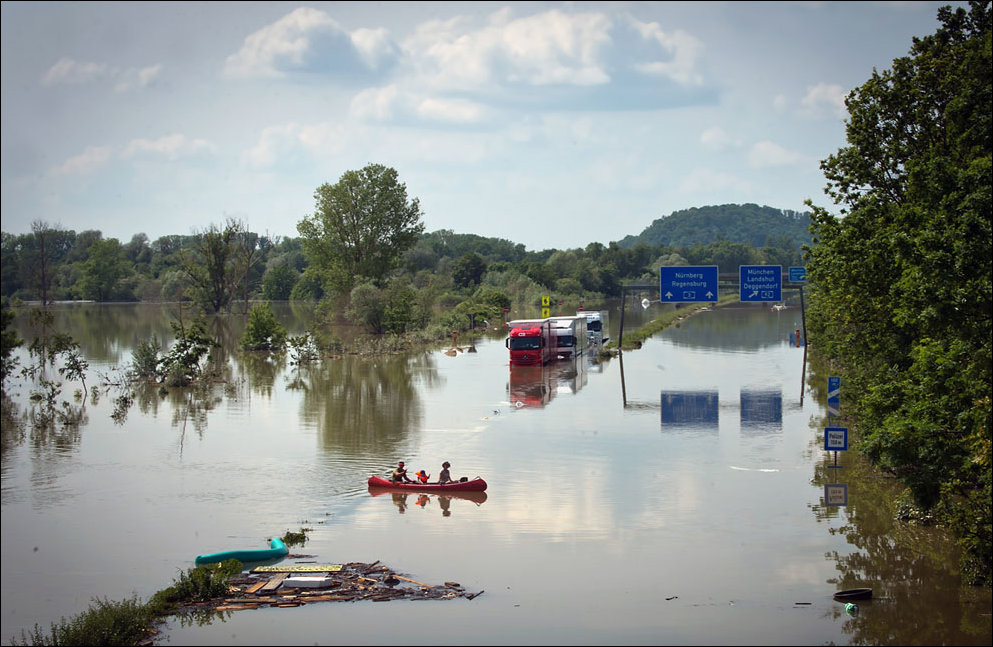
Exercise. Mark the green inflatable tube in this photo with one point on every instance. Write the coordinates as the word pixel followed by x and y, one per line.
pixel 276 549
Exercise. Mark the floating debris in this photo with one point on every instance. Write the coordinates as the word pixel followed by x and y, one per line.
pixel 283 586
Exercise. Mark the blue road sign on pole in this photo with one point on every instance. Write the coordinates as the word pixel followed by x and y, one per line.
pixel 834 396
pixel 760 283
pixel 688 284
pixel 836 439
pixel 798 275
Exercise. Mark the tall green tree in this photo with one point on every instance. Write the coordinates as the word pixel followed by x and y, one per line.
pixel 361 228
pixel 210 268
pixel 901 284
pixel 103 270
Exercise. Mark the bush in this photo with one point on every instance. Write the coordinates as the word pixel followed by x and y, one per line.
pixel 263 331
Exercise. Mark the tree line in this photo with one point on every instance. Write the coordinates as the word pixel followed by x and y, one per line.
pixel 900 286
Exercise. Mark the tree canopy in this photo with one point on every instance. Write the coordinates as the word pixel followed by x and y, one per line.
pixel 361 227
pixel 901 284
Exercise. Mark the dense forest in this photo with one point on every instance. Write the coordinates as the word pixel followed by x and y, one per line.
pixel 224 263
pixel 742 223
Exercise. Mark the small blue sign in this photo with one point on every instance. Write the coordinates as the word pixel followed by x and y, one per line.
pixel 688 284
pixel 698 408
pixel 759 283
pixel 798 275
pixel 834 396
pixel 835 439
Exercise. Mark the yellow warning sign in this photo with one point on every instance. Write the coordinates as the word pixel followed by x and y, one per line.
pixel 545 300
pixel 545 313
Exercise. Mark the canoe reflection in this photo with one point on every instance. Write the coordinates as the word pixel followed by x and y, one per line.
pixel 422 499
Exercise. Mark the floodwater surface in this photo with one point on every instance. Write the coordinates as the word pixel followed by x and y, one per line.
pixel 678 494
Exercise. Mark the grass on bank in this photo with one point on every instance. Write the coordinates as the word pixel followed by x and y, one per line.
pixel 634 338
pixel 132 622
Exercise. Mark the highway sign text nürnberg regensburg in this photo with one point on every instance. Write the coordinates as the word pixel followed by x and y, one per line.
pixel 688 284
pixel 760 282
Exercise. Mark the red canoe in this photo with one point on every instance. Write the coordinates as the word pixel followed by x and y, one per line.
pixel 473 485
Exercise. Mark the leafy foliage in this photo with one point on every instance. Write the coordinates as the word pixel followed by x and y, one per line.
pixel 361 227
pixel 901 286
pixel 263 332
pixel 740 223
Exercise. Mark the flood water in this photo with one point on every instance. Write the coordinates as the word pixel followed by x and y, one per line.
pixel 679 494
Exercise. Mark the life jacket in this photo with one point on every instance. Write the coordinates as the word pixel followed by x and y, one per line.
pixel 422 476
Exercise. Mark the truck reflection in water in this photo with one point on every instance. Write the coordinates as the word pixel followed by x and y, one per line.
pixel 535 386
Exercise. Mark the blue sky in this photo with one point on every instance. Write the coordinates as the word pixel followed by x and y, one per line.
pixel 552 124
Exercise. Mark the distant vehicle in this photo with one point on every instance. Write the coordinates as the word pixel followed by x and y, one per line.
pixel 571 338
pixel 530 342
pixel 596 326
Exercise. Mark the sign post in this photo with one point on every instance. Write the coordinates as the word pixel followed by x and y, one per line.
pixel 834 397
pixel 836 439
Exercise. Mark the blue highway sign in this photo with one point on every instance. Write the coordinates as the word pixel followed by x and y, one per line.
pixel 688 284
pixel 760 283
pixel 798 275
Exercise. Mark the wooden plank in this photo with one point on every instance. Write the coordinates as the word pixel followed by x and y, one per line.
pixel 275 582
pixel 255 587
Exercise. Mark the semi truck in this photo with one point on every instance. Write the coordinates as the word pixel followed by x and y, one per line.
pixel 530 341
pixel 571 338
pixel 596 326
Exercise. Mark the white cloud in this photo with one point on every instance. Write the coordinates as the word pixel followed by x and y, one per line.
pixel 825 98
pixel 93 158
pixel 543 49
pixel 716 139
pixel 286 43
pixel 766 153
pixel 171 147
pixel 285 142
pixel 375 103
pixel 141 78
pixel 374 46
pixel 684 49
pixel 451 111
pixel 69 71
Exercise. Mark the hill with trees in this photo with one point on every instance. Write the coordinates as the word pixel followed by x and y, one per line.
pixel 737 223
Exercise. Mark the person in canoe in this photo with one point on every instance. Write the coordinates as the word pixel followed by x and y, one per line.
pixel 444 476
pixel 422 477
pixel 400 474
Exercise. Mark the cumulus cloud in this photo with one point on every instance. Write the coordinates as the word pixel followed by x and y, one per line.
pixel 825 98
pixel 68 71
pixel 375 104
pixel 547 48
pixel 171 147
pixel 309 40
pixel 683 51
pixel 286 142
pixel 716 139
pixel 86 162
pixel 765 154
pixel 449 111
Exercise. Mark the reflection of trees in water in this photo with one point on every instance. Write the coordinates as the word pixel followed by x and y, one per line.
pixel 898 561
pixel 737 328
pixel 12 427
pixel 361 405
pixel 260 369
